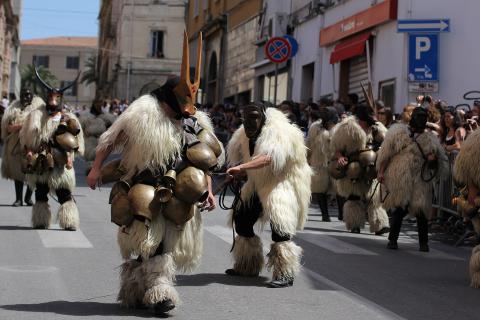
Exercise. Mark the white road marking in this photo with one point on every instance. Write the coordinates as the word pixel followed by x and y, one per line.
pixel 405 243
pixel 332 244
pixel 28 268
pixel 377 311
pixel 58 238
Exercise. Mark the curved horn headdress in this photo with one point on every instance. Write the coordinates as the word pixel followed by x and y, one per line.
pixel 70 85
pixel 50 88
pixel 46 85
pixel 185 90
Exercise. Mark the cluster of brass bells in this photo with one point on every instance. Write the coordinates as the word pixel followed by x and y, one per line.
pixel 361 166
pixel 191 187
pixel 176 194
pixel 66 135
pixel 44 161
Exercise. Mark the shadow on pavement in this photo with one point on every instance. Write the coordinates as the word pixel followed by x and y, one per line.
pixel 16 228
pixel 329 230
pixel 203 279
pixel 79 308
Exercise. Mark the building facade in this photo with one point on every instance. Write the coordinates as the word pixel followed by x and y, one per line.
pixel 275 21
pixel 140 43
pixel 354 41
pixel 229 30
pixel 9 48
pixel 64 57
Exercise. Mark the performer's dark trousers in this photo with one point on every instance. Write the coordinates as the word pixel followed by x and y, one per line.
pixel 19 191
pixel 397 217
pixel 322 200
pixel 42 189
pixel 340 203
pixel 247 215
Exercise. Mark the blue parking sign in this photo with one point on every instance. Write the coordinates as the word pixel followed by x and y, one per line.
pixel 423 57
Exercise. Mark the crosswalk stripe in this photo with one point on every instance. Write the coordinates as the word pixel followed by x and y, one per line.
pixel 406 244
pixel 58 238
pixel 334 245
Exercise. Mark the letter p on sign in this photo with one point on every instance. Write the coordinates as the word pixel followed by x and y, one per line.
pixel 422 44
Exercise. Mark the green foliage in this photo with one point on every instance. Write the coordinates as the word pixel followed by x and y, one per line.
pixel 90 73
pixel 29 79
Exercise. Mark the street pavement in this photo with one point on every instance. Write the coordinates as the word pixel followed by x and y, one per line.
pixel 56 274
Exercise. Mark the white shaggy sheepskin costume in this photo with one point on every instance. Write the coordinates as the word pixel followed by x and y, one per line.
pixel 467 172
pixel 283 188
pixel 349 138
pixel 147 139
pixel 318 142
pixel 38 129
pixel 403 165
pixel 13 153
pixel 93 126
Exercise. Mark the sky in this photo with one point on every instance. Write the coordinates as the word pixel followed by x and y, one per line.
pixel 51 18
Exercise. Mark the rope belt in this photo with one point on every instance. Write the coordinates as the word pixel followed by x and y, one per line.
pixel 235 188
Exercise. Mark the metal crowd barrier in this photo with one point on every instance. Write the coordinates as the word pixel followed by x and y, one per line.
pixel 445 190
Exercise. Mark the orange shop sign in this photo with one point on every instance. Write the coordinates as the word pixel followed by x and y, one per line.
pixel 378 14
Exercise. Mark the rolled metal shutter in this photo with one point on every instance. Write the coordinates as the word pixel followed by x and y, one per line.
pixel 358 72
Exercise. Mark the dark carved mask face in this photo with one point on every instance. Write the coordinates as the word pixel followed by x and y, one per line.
pixel 26 97
pixel 253 122
pixel 54 102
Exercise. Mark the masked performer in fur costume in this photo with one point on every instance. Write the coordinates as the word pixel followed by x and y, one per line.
pixel 318 143
pixel 408 162
pixel 166 147
pixel 51 137
pixel 272 154
pixel 94 124
pixel 354 142
pixel 13 154
pixel 467 174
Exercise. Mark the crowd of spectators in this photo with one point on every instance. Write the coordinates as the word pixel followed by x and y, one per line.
pixel 113 106
pixel 452 124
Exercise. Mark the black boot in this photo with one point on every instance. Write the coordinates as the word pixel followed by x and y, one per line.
pixel 392 244
pixel 28 197
pixel 323 204
pixel 163 307
pixel 424 247
pixel 281 283
pixel 18 193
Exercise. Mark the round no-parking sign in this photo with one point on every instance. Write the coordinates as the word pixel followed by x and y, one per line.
pixel 278 49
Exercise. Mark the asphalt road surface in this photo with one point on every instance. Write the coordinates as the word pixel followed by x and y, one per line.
pixel 56 274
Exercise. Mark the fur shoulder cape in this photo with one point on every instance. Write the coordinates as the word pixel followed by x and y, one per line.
pixel 348 137
pixel 467 169
pixel 318 142
pixel 15 114
pixel 145 136
pixel 283 186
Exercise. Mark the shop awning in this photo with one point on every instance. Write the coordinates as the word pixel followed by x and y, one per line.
pixel 349 48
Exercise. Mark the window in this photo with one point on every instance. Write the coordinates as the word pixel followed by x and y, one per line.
pixel 387 92
pixel 157 45
pixel 205 4
pixel 72 62
pixel 41 61
pixel 71 91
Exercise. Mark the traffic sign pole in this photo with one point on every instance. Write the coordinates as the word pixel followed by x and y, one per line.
pixel 277 50
pixel 276 84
